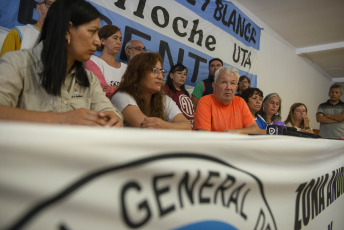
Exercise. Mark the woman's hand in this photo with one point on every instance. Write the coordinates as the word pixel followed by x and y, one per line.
pixel 306 120
pixel 153 123
pixel 91 118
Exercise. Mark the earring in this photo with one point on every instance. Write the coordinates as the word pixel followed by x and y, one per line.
pixel 68 41
pixel 276 113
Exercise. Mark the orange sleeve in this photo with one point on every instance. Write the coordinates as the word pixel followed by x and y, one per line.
pixel 202 117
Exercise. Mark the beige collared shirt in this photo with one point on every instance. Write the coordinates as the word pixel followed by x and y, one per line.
pixel 20 86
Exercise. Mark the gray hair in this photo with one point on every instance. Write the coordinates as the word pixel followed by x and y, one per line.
pixel 228 70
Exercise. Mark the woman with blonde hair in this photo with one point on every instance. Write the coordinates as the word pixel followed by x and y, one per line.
pixel 298 118
pixel 140 96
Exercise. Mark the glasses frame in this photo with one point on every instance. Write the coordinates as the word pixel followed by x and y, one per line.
pixel 46 3
pixel 156 71
pixel 139 48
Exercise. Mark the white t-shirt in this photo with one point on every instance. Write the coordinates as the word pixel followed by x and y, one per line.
pixel 112 75
pixel 122 99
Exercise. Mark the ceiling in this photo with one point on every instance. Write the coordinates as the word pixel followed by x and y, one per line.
pixel 314 27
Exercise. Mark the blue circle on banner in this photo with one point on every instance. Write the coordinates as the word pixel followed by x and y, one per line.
pixel 205 225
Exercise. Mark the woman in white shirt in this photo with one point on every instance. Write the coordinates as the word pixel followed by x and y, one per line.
pixel 140 96
pixel 108 70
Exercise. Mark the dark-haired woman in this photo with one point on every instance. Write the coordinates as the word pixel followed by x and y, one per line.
pixel 49 83
pixel 175 89
pixel 253 98
pixel 108 70
pixel 140 97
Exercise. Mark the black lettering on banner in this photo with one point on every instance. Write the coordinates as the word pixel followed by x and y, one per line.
pixel 236 21
pixel 242 214
pixel 237 56
pixel 205 4
pixel 155 18
pixel 210 40
pixel 188 189
pixel 207 184
pixel 128 32
pixel 175 26
pixel 306 202
pixel 140 7
pixel 105 19
pixel 234 197
pixel 261 217
pixel 223 187
pixel 297 224
pixel 198 59
pixel 120 4
pixel 25 13
pixel 329 227
pixel 194 31
pixel 322 194
pixel 141 206
pixel 165 49
pixel 160 191
pixel 315 198
pixel 192 2
pixel 329 189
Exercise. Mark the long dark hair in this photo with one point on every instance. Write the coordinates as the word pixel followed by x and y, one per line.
pixel 53 35
pixel 169 81
pixel 249 92
pixel 137 68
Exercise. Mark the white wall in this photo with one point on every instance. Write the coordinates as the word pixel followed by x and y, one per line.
pixel 282 71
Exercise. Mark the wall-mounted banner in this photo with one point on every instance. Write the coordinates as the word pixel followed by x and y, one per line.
pixel 185 31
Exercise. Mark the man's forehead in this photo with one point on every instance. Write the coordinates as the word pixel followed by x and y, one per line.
pixel 226 76
pixel 215 62
pixel 137 43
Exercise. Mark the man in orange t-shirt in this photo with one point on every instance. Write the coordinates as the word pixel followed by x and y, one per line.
pixel 222 111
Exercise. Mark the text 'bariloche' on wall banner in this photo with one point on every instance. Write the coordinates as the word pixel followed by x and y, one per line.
pixel 182 31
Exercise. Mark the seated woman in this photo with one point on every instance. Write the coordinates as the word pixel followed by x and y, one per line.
pixel 175 88
pixel 140 97
pixel 271 109
pixel 298 118
pixel 108 70
pixel 48 82
pixel 253 98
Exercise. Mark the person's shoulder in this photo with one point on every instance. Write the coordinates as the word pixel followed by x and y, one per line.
pixel 239 100
pixel 207 99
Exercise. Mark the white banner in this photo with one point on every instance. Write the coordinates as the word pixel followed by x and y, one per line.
pixel 68 177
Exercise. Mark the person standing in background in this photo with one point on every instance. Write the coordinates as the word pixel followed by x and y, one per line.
pixel 25 37
pixel 205 87
pixel 331 114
